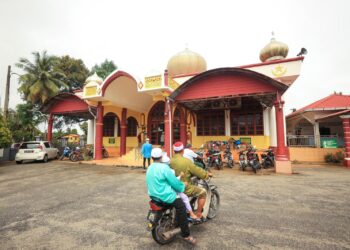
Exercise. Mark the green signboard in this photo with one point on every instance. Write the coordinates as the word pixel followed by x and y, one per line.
pixel 329 143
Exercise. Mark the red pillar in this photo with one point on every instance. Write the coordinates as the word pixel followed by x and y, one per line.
pixel 49 128
pixel 282 150
pixel 183 136
pixel 99 132
pixel 346 127
pixel 123 132
pixel 168 121
pixel 283 165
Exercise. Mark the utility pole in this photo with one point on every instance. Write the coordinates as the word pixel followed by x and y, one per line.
pixel 7 93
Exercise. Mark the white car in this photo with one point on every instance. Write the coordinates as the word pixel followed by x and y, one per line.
pixel 36 151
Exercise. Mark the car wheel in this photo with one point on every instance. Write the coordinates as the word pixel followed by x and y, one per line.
pixel 19 162
pixel 45 159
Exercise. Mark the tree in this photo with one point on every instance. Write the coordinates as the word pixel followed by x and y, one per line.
pixel 5 134
pixel 84 127
pixel 104 69
pixel 74 70
pixel 24 121
pixel 40 81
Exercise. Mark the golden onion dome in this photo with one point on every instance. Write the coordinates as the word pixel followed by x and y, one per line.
pixel 94 79
pixel 186 62
pixel 274 50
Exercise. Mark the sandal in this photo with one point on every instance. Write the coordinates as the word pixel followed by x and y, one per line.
pixel 190 240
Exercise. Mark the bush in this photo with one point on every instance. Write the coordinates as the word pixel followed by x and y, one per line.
pixel 5 135
pixel 338 157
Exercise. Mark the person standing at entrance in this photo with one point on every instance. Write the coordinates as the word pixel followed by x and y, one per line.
pixel 146 153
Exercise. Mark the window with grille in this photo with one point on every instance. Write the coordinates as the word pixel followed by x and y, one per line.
pixel 211 122
pixel 131 124
pixel 109 121
pixel 247 123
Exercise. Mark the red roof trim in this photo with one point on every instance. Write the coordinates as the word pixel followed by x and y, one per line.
pixel 272 62
pixel 331 102
pixel 111 78
pixel 239 71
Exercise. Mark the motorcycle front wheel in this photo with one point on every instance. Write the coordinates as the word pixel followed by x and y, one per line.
pixel 165 224
pixel 214 204
pixel 73 157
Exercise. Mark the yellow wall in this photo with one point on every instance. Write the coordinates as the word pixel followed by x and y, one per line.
pixel 130 141
pixel 311 154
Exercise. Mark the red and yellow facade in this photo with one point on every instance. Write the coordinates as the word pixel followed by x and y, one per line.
pixel 187 102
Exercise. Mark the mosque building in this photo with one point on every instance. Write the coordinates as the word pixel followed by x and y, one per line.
pixel 187 102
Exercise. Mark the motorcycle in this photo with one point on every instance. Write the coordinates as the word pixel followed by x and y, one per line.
pixel 77 155
pixel 162 218
pixel 228 157
pixel 66 153
pixel 249 158
pixel 199 161
pixel 243 163
pixel 214 158
pixel 268 159
pixel 253 159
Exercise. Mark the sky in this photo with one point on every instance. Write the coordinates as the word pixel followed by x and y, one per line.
pixel 141 36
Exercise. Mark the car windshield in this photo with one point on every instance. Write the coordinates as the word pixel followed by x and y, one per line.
pixel 30 145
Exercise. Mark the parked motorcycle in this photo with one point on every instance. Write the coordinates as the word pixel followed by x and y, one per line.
pixel 228 157
pixel 200 161
pixel 253 159
pixel 268 159
pixel 249 158
pixel 66 153
pixel 76 155
pixel 162 218
pixel 242 160
pixel 214 158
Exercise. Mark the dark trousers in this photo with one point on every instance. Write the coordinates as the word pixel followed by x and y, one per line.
pixel 181 216
pixel 144 162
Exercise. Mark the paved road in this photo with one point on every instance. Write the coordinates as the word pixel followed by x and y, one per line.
pixel 74 206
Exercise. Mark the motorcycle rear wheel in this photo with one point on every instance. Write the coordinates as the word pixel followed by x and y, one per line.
pixel 214 204
pixel 163 225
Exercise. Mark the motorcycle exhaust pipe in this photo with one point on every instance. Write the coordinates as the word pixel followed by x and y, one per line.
pixel 172 233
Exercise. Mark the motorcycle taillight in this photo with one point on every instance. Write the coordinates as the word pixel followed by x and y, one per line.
pixel 154 207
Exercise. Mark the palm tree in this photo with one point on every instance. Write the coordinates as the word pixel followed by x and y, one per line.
pixel 40 81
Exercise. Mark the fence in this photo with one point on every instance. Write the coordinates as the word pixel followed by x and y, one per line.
pixel 309 140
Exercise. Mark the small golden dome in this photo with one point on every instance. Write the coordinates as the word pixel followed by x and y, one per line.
pixel 94 79
pixel 186 62
pixel 274 50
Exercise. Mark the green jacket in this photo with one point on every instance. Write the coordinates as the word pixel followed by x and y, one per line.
pixel 182 164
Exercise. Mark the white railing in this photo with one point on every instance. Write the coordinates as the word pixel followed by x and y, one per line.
pixel 309 140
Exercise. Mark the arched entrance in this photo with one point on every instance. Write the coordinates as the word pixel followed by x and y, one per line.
pixel 111 125
pixel 155 125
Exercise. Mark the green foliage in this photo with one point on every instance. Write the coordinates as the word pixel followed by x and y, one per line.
pixel 104 69
pixel 338 157
pixel 24 121
pixel 74 72
pixel 40 81
pixel 5 134
pixel 84 127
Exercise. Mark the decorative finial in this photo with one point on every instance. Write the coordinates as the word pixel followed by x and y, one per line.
pixel 186 45
pixel 273 35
